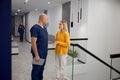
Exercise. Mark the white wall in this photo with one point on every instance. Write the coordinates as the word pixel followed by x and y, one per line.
pixel 55 16
pixel 32 19
pixel 79 30
pixel 103 35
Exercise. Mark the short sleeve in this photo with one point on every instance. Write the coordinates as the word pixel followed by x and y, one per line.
pixel 33 32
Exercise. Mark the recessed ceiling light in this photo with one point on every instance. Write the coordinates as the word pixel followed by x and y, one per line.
pixel 19 10
pixel 16 13
pixel 49 2
pixel 26 1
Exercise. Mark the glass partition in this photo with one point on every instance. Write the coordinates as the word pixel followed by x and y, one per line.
pixel 115 62
pixel 75 67
pixel 77 70
pixel 82 56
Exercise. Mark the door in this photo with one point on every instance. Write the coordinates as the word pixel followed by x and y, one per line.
pixel 66 13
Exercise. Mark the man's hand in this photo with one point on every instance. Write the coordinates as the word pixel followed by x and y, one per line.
pixel 34 47
pixel 37 58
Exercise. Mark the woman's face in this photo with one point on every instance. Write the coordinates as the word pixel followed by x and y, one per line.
pixel 61 26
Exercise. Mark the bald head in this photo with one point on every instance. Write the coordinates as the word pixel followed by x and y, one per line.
pixel 43 19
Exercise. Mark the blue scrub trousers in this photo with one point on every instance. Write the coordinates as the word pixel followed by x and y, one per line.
pixel 37 72
pixel 21 35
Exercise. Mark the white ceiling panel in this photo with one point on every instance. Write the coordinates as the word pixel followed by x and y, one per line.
pixel 33 4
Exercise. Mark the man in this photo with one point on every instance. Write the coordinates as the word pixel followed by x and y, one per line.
pixel 21 29
pixel 39 43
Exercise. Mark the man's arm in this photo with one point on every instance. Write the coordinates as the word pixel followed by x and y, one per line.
pixel 34 48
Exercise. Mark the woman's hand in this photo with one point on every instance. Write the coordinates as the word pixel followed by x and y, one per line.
pixel 55 42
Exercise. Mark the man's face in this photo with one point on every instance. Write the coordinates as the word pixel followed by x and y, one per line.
pixel 21 23
pixel 45 20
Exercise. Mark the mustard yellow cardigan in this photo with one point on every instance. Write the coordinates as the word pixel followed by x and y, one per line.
pixel 63 39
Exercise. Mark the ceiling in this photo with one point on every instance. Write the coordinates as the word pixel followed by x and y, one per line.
pixel 34 4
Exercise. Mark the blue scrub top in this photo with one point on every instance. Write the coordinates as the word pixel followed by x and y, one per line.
pixel 21 29
pixel 42 40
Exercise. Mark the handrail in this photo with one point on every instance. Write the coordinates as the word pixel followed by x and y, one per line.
pixel 115 55
pixel 51 48
pixel 75 39
pixel 91 54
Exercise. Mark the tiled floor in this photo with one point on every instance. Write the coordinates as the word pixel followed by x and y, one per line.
pixel 21 65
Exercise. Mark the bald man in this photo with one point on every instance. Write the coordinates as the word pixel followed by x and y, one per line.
pixel 39 43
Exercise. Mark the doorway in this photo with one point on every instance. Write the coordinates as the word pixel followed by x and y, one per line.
pixel 66 13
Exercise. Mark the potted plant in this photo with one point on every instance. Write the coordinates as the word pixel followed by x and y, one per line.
pixel 74 54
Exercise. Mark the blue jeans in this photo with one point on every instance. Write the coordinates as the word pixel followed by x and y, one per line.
pixel 37 72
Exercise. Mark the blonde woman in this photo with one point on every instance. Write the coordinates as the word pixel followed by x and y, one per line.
pixel 62 43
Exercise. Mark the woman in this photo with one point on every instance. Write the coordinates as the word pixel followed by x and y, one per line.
pixel 21 29
pixel 62 43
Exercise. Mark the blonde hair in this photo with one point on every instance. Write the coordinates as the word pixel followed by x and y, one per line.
pixel 65 25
